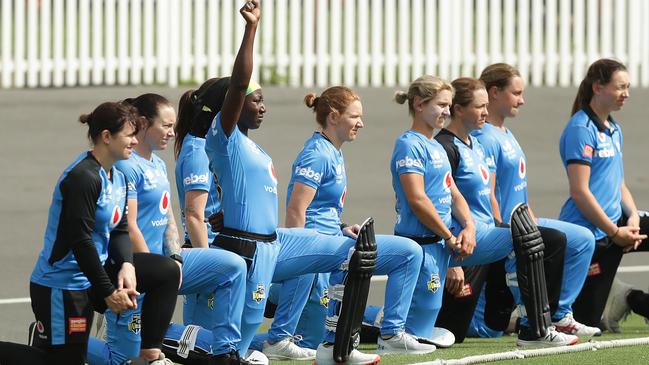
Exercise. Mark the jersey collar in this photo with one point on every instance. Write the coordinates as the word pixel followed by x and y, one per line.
pixel 598 122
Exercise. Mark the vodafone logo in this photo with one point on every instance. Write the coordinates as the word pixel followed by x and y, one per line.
pixel 447 181
pixel 165 199
pixel 115 216
pixel 342 197
pixel 271 172
pixel 484 174
pixel 522 169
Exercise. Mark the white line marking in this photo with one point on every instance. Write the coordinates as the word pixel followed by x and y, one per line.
pixel 628 269
pixel 15 300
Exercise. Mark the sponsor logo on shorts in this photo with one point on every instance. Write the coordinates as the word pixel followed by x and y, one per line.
pixel 324 299
pixel 434 283
pixel 259 294
pixel 467 291
pixel 588 151
pixel 594 269
pixel 194 179
pixel 77 325
pixel 39 327
pixel 135 324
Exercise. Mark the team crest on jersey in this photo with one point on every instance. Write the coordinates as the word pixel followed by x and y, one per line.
pixel 324 299
pixel 115 216
pixel 135 324
pixel 522 169
pixel 164 202
pixel 446 184
pixel 259 294
pixel 434 283
pixel 484 174
pixel 601 136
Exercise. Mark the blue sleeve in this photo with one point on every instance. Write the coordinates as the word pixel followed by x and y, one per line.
pixel 579 145
pixel 309 168
pixel 217 141
pixel 409 158
pixel 133 178
pixel 195 171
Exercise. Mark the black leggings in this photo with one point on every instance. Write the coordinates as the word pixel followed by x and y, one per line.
pixel 590 303
pixel 456 313
pixel 157 276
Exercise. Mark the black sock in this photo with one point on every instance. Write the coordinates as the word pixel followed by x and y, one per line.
pixel 639 302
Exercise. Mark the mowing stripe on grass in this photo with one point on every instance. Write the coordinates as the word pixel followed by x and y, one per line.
pixel 522 354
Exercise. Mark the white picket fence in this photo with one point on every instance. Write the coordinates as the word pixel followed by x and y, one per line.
pixel 315 42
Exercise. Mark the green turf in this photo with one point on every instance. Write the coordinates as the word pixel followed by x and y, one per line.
pixel 633 327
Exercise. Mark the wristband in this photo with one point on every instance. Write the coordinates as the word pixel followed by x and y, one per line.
pixel 343 226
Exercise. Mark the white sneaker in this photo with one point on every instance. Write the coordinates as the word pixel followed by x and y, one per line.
pixel 325 356
pixel 256 357
pixel 286 349
pixel 616 306
pixel 402 343
pixel 552 338
pixel 569 325
pixel 441 338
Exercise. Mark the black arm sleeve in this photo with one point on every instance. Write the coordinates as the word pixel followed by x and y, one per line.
pixel 80 191
pixel 120 249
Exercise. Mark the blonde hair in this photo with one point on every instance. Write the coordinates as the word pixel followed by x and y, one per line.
pixel 427 87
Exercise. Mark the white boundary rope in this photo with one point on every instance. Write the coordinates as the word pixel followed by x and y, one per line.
pixel 522 354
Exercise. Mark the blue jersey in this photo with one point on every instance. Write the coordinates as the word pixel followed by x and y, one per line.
pixel 247 178
pixel 193 173
pixel 321 166
pixel 87 207
pixel 506 158
pixel 148 183
pixel 586 140
pixel 415 153
pixel 470 173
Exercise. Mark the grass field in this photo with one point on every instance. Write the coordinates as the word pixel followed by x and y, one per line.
pixel 633 327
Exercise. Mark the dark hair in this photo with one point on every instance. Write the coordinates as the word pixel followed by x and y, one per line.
pixel 148 106
pixel 600 71
pixel 498 75
pixel 464 89
pixel 335 99
pixel 427 87
pixel 109 116
pixel 197 109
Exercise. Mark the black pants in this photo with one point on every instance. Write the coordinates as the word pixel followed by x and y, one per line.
pixel 590 303
pixel 157 276
pixel 457 312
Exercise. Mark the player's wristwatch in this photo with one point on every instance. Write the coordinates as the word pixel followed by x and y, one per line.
pixel 176 257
